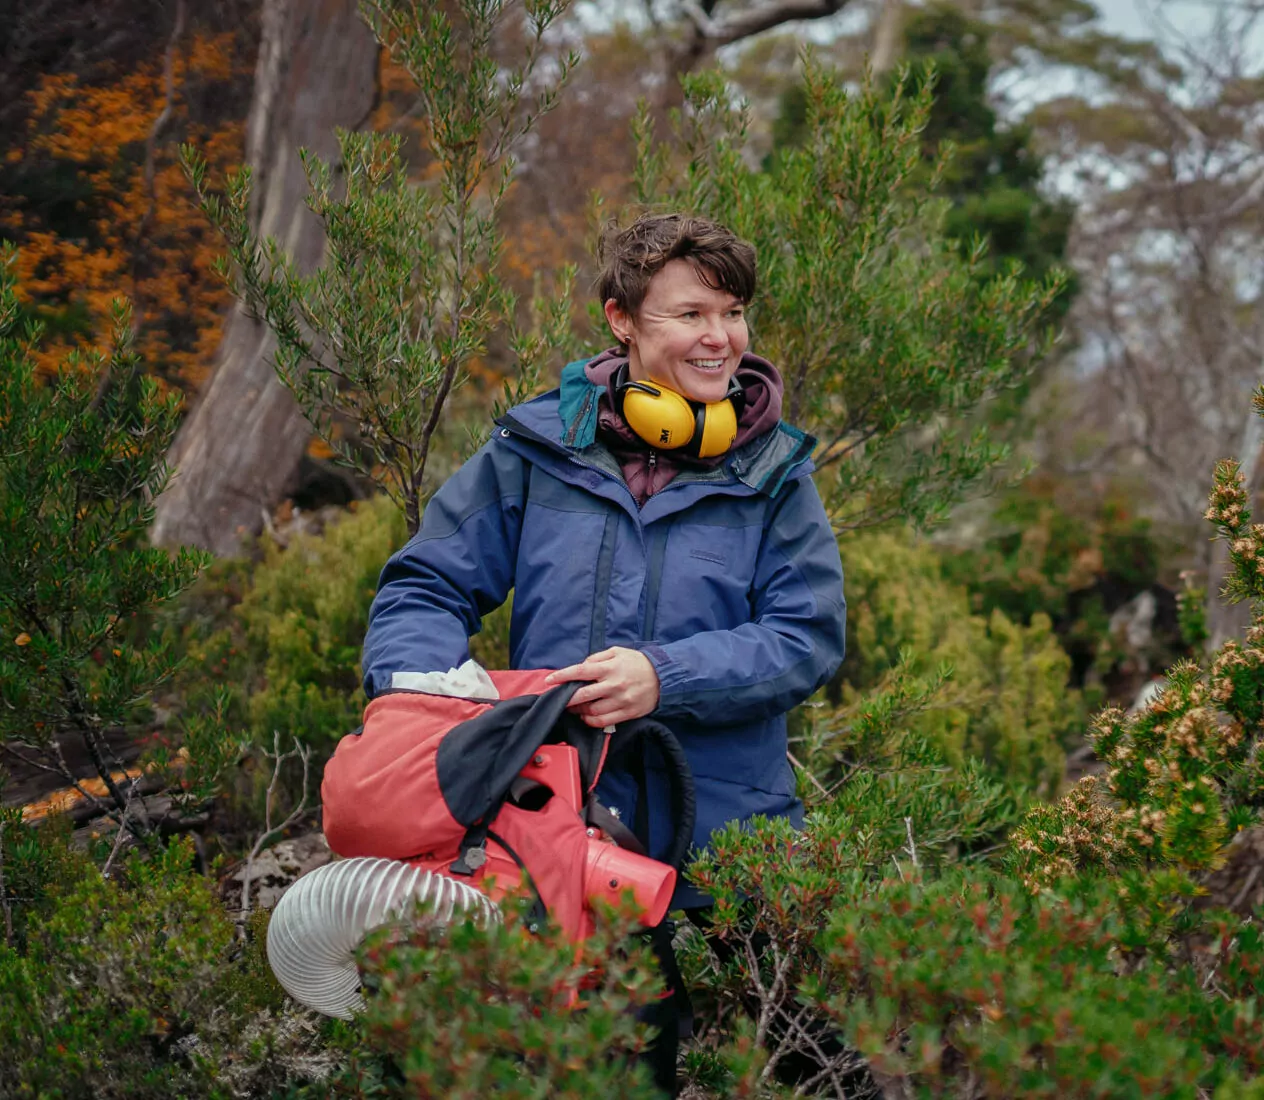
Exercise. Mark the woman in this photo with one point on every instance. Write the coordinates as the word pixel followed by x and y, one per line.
pixel 658 526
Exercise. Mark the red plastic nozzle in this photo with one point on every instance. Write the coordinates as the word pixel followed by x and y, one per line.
pixel 613 870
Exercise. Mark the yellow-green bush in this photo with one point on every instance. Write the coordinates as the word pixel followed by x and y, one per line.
pixel 305 614
pixel 1007 701
pixel 290 647
pixel 285 633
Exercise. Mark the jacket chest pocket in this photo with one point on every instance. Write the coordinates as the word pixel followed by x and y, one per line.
pixel 706 577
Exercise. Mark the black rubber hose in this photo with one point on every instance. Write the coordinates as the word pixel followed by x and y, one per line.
pixel 684 796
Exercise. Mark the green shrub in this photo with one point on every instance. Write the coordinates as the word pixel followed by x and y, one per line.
pixel 1185 773
pixel 1050 548
pixel 1044 541
pixel 468 1013
pixel 35 865
pixel 972 979
pixel 890 780
pixel 304 619
pixel 291 644
pixel 897 805
pixel 133 987
pixel 1006 702
pixel 875 946
pixel 83 457
pixel 862 947
pixel 286 632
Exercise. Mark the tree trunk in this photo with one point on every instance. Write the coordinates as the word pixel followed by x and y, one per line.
pixel 244 438
pixel 886 36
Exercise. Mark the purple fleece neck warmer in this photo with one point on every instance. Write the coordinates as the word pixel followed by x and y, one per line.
pixel 647 470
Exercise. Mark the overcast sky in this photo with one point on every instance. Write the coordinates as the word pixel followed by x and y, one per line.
pixel 1137 18
pixel 1168 18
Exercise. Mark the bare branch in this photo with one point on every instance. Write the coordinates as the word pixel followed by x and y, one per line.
pixel 303 753
pixel 758 19
pixel 121 835
pixel 811 778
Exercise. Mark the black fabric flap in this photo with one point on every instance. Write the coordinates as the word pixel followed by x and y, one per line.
pixel 478 759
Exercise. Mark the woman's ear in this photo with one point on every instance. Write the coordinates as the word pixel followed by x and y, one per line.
pixel 620 323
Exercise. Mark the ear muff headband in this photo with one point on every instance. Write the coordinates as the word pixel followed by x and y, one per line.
pixel 667 421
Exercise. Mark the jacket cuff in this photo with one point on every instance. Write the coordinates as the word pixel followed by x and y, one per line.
pixel 671 674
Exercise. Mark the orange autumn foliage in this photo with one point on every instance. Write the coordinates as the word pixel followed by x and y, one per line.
pixel 90 229
pixel 113 233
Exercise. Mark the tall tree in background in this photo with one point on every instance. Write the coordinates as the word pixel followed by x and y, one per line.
pixel 384 333
pixel 890 338
pixel 580 148
pixel 1169 155
pixel 317 71
pixel 994 177
pixel 693 31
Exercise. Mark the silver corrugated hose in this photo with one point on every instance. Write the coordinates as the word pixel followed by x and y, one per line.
pixel 321 920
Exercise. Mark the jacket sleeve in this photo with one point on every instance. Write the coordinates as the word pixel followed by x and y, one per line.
pixel 433 593
pixel 794 641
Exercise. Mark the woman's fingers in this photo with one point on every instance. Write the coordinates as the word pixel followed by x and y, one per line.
pixel 599 716
pixel 593 667
pixel 622 685
pixel 591 693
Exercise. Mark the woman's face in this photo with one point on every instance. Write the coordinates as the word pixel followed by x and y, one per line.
pixel 686 335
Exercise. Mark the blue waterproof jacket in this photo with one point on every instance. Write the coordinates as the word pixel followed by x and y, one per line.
pixel 727 579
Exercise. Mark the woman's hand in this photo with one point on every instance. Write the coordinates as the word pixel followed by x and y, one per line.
pixel 623 686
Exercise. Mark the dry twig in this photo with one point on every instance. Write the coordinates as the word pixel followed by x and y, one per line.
pixel 912 846
pixel 123 833
pixel 304 754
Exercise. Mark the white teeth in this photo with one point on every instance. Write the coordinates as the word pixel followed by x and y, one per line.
pixel 706 364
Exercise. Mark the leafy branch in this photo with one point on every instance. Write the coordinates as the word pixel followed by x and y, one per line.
pixel 374 343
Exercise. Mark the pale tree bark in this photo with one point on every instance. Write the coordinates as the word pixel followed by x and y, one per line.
pixel 244 438
pixel 886 36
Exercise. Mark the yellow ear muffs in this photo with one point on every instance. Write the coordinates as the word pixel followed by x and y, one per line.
pixel 668 421
pixel 715 428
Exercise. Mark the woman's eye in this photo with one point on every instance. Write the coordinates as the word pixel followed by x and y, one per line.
pixel 737 314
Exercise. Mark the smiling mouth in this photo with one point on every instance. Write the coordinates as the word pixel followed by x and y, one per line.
pixel 709 365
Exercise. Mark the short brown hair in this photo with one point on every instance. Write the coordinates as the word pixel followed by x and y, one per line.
pixel 631 257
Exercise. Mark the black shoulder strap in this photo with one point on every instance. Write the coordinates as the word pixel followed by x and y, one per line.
pixel 632 739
